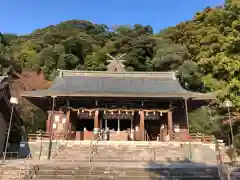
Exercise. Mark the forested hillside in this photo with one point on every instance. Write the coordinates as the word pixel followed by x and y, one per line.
pixel 205 51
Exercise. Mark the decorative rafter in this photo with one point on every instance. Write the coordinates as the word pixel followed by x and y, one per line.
pixel 116 64
pixel 120 110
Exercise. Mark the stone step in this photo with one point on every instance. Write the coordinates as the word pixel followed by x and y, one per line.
pixel 95 173
pixel 99 177
pixel 71 156
pixel 12 172
pixel 104 173
pixel 106 160
pixel 86 171
pixel 107 151
pixel 73 153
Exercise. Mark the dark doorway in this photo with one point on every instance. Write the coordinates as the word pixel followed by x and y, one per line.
pixel 81 124
pixel 112 124
pixel 153 128
pixel 125 124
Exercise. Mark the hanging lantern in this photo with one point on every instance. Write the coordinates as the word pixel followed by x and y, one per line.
pixel 126 112
pixel 78 112
pixel 119 112
pixel 112 112
pixel 82 111
pixel 154 112
pixel 64 120
pixel 131 136
pixel 90 113
pixel 57 118
pixel 146 113
pixel 161 114
pixel 54 126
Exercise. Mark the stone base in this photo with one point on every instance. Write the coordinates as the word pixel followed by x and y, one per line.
pixel 118 136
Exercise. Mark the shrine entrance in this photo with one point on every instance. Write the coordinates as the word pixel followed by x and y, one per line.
pixel 117 119
pixel 117 124
pixel 153 123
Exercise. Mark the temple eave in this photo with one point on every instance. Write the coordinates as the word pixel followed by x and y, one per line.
pixel 185 95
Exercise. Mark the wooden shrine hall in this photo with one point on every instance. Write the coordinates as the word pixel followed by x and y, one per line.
pixel 127 105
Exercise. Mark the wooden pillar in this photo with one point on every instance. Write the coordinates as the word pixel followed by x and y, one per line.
pixel 170 125
pixel 48 121
pixel 142 126
pixel 96 125
pixel 48 125
pixel 96 120
pixel 68 125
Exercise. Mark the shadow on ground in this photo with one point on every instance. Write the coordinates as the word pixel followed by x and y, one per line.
pixel 187 170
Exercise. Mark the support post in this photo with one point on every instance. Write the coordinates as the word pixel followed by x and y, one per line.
pixel 232 137
pixel 48 122
pixel 96 124
pixel 118 129
pixel 51 129
pixel 170 125
pixel 142 126
pixel 187 118
pixel 96 120
pixel 68 128
pixel 8 135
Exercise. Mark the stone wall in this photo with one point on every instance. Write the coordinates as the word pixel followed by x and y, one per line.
pixel 3 130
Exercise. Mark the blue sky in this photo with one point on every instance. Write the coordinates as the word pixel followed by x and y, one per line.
pixel 23 16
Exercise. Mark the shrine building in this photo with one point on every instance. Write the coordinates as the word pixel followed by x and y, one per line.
pixel 129 105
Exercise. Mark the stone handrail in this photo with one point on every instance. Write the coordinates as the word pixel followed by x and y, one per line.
pixel 61 147
pixel 36 136
pixel 150 146
pixel 23 172
pixel 94 145
pixel 193 137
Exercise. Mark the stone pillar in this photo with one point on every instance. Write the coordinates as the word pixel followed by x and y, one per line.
pixel 142 126
pixel 170 125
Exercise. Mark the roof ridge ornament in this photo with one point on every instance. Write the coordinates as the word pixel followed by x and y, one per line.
pixel 116 64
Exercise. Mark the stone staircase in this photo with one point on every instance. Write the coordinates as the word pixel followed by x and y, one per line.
pixel 123 152
pixel 119 171
pixel 16 169
pixel 9 172
pixel 24 167
pixel 125 172
pixel 38 149
pixel 126 160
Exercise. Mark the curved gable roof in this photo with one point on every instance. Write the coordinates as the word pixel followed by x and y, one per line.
pixel 118 84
